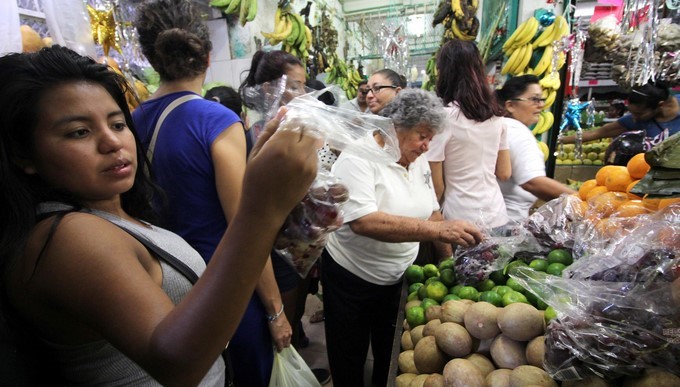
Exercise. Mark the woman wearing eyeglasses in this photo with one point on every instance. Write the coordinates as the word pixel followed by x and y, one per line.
pixel 523 102
pixel 383 86
pixel 652 108
pixel 472 151
pixel 391 208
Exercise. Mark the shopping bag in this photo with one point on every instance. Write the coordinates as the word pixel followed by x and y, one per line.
pixel 290 370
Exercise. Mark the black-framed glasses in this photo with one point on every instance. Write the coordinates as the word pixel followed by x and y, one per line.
pixel 534 100
pixel 376 88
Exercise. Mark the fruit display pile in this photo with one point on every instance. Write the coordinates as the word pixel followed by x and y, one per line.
pixel 566 310
pixel 246 9
pixel 592 153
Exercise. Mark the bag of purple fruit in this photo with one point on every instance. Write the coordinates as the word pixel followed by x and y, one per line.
pixel 474 264
pixel 619 313
pixel 305 231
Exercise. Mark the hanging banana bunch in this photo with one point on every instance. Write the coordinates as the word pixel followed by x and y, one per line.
pixel 246 9
pixel 290 29
pixel 529 51
pixel 458 17
pixel 344 75
pixel 430 73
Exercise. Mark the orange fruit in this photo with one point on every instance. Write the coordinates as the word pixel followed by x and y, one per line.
pixel 663 203
pixel 630 208
pixel 650 203
pixel 603 172
pixel 618 180
pixel 595 192
pixel 637 166
pixel 606 227
pixel 606 203
pixel 631 195
pixel 586 187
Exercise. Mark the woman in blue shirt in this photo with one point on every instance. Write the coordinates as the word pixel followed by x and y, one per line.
pixel 652 109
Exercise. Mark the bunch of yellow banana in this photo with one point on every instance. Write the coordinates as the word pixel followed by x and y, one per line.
pixel 545 122
pixel 247 9
pixel 462 9
pixel 346 76
pixel 558 29
pixel 544 149
pixel 523 34
pixel 518 60
pixel 290 29
pixel 550 84
pixel 458 18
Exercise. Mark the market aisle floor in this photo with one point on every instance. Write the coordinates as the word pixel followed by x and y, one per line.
pixel 315 355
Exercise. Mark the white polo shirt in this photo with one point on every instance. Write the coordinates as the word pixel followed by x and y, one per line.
pixel 389 188
pixel 527 163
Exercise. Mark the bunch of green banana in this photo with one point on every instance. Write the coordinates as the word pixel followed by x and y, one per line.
pixel 431 71
pixel 346 76
pixel 247 9
pixel 545 122
pixel 290 29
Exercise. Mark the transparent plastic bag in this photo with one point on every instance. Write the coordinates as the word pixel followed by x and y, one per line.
pixel 620 312
pixel 291 370
pixel 475 264
pixel 305 231
pixel 555 223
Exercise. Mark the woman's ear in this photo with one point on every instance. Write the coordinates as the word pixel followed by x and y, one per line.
pixel 509 106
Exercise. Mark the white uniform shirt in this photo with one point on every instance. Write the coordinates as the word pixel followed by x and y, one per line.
pixel 468 151
pixel 527 163
pixel 389 188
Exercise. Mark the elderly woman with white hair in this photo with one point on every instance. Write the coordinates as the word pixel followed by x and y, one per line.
pixel 392 207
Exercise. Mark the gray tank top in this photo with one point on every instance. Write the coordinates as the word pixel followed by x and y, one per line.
pixel 98 363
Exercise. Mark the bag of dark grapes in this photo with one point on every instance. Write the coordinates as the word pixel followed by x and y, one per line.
pixel 305 231
pixel 474 264
pixel 619 313
pixel 554 223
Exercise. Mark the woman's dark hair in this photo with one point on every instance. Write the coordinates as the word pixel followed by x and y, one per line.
pixel 328 98
pixel 649 95
pixel 462 80
pixel 268 66
pixel 173 38
pixel 25 79
pixel 515 86
pixel 227 96
pixel 393 76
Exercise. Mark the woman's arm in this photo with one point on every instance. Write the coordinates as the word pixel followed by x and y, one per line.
pixel 229 158
pixel 503 166
pixel 546 188
pixel 437 169
pixel 609 130
pixel 393 228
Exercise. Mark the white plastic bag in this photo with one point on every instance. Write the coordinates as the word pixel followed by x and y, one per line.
pixel 290 370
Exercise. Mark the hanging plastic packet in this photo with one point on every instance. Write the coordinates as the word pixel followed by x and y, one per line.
pixel 305 230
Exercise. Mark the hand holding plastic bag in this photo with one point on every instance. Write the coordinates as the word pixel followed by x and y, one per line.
pixel 290 370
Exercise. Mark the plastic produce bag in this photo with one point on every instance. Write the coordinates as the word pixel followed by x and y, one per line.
pixel 555 223
pixel 620 313
pixel 290 370
pixel 305 231
pixel 475 264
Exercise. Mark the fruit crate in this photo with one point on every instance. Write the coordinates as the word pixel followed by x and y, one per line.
pixel 575 172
